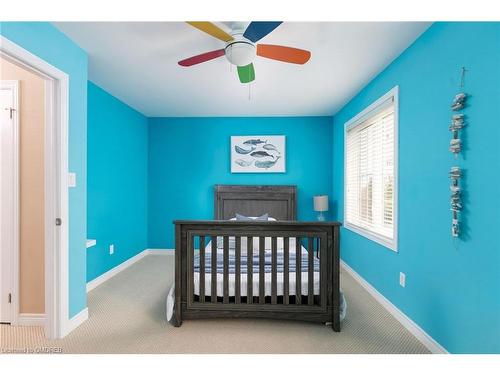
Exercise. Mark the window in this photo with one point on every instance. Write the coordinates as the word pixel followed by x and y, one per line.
pixel 370 206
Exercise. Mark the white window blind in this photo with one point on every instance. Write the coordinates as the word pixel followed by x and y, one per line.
pixel 370 172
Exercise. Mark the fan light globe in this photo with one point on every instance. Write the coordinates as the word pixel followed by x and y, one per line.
pixel 240 53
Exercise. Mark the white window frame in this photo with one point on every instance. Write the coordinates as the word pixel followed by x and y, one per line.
pixel 392 244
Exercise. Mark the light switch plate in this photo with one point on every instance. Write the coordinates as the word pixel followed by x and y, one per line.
pixel 72 179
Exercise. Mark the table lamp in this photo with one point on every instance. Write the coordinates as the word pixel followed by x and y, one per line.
pixel 321 205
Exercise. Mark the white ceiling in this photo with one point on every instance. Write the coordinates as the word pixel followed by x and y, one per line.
pixel 137 63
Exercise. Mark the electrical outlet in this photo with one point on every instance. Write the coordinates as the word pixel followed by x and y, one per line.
pixel 111 249
pixel 402 279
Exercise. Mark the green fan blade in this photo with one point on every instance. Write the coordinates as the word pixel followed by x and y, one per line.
pixel 246 73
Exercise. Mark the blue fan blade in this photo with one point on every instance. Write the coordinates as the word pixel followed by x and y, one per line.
pixel 259 29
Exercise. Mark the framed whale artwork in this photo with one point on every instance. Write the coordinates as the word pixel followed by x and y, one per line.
pixel 258 154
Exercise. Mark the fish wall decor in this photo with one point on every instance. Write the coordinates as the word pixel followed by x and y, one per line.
pixel 258 154
pixel 254 142
pixel 242 151
pixel 261 154
pixel 458 122
pixel 266 164
pixel 243 163
pixel 270 147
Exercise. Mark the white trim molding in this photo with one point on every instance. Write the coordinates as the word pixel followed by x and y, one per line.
pixel 115 270
pixel 122 266
pixel 75 321
pixel 11 191
pixel 56 184
pixel 90 243
pixel 422 336
pixel 170 252
pixel 393 94
pixel 31 320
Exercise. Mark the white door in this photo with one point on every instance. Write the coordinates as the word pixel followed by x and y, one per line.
pixel 9 229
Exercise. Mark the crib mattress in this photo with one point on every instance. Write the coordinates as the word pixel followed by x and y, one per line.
pixel 267 288
pixel 267 281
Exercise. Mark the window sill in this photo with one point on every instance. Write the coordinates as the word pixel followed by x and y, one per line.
pixel 390 244
pixel 89 243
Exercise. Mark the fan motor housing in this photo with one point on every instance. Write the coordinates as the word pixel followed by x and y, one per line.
pixel 240 51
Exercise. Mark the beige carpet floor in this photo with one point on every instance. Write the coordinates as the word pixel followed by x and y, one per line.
pixel 127 315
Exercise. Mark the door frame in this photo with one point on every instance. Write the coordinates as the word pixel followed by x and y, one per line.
pixel 13 236
pixel 56 184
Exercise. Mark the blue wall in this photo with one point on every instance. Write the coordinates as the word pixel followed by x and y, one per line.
pixel 452 288
pixel 188 156
pixel 117 181
pixel 48 43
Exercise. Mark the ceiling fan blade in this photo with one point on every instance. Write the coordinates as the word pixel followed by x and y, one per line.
pixel 282 53
pixel 246 73
pixel 202 58
pixel 211 29
pixel 259 29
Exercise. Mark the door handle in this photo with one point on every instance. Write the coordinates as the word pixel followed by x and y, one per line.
pixel 10 109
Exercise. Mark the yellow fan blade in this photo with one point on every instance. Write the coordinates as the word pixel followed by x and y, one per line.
pixel 211 29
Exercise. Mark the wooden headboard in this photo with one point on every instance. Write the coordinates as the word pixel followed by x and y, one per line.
pixel 278 201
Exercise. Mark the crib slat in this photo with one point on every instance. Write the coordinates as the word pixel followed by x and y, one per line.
pixel 274 270
pixel 286 274
pixel 202 269
pixel 237 281
pixel 249 269
pixel 191 266
pixel 213 292
pixel 298 271
pixel 225 280
pixel 262 253
pixel 310 271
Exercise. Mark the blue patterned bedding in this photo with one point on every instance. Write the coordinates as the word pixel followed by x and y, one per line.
pixel 255 258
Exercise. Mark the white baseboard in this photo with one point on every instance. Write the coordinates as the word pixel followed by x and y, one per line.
pixel 112 272
pixel 31 320
pixel 84 314
pixel 161 251
pixel 75 321
pixel 409 324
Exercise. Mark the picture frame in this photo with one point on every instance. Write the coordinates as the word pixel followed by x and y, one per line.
pixel 258 154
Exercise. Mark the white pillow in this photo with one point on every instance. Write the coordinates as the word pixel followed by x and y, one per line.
pixel 268 243
pixel 232 240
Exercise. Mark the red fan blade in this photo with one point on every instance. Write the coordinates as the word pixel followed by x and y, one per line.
pixel 202 58
pixel 282 53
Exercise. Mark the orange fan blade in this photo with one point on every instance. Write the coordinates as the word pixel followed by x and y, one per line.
pixel 282 53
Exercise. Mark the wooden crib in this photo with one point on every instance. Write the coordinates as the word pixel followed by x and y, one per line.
pixel 196 292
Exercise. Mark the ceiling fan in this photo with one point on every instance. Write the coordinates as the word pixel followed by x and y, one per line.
pixel 241 47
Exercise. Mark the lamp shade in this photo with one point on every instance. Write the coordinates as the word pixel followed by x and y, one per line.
pixel 321 203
